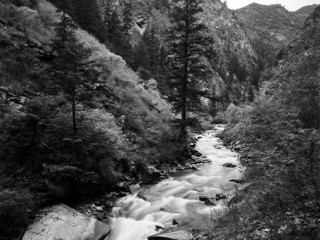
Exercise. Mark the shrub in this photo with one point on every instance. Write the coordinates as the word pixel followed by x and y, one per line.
pixel 16 206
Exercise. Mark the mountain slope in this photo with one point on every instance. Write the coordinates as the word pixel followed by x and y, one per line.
pixel 307 10
pixel 120 121
pixel 269 28
pixel 300 59
pixel 279 140
pixel 236 59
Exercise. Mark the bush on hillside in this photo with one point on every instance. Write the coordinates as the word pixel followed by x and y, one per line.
pixel 16 206
pixel 280 153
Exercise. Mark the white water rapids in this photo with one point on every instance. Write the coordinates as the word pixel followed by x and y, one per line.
pixel 177 198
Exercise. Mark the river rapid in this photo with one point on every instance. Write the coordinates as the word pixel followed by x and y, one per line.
pixel 174 204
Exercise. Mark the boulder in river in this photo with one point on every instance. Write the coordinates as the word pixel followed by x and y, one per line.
pixel 149 175
pixel 64 223
pixel 220 196
pixel 217 146
pixel 208 200
pixel 109 203
pixel 229 165
pixel 239 181
pixel 195 153
pixel 179 235
pixel 134 188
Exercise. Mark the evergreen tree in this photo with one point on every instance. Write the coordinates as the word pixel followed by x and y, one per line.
pixel 139 50
pixel 114 32
pixel 66 6
pixel 127 21
pixel 153 50
pixel 188 43
pixel 71 68
pixel 88 17
pixel 163 71
pixel 107 12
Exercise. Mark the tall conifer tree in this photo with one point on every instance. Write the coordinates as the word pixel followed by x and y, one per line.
pixel 127 21
pixel 89 18
pixel 189 43
pixel 71 68
pixel 153 50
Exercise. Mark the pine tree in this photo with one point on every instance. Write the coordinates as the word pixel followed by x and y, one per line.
pixel 153 51
pixel 71 68
pixel 188 43
pixel 114 32
pixel 139 53
pixel 127 21
pixel 66 6
pixel 88 17
pixel 163 71
pixel 107 12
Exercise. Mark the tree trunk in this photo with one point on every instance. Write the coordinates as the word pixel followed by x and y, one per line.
pixel 183 133
pixel 74 120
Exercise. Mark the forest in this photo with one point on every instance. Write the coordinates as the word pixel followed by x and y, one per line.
pixel 97 95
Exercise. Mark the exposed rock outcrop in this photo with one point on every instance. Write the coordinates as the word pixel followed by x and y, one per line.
pixel 64 223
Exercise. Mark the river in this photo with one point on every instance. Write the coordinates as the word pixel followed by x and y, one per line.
pixel 174 204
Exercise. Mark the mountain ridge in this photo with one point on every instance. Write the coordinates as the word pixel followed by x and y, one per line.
pixel 306 11
pixel 269 27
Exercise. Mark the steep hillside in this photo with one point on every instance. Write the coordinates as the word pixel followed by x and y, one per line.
pixel 236 71
pixel 279 140
pixel 269 28
pixel 300 58
pixel 72 124
pixel 144 12
pixel 236 61
pixel 120 96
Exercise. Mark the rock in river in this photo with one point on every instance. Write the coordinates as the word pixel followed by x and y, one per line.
pixel 208 200
pixel 64 223
pixel 149 175
pixel 179 235
pixel 229 165
pixel 220 196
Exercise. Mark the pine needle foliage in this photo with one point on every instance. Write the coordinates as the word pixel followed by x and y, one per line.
pixel 188 43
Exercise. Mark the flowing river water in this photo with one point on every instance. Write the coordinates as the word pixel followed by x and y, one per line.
pixel 160 207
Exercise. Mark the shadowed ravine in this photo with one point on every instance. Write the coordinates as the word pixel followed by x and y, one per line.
pixel 155 207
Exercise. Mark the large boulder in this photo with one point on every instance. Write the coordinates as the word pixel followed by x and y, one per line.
pixel 149 175
pixel 134 188
pixel 179 235
pixel 64 223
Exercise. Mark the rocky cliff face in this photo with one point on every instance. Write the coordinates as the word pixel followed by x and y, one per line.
pixel 236 59
pixel 145 12
pixel 270 28
pixel 300 59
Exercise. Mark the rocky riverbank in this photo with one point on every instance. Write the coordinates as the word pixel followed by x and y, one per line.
pixel 101 208
pixel 94 215
pixel 161 203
